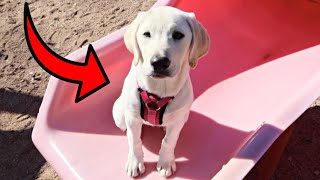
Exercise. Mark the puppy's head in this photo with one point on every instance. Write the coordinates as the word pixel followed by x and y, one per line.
pixel 164 39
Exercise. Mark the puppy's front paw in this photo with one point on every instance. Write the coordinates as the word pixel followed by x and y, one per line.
pixel 166 167
pixel 134 167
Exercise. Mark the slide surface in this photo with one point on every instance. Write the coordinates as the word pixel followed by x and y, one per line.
pixel 261 73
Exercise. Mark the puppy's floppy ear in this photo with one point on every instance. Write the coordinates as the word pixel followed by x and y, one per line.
pixel 200 40
pixel 130 38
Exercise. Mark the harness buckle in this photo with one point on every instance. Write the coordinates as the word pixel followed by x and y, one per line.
pixel 152 106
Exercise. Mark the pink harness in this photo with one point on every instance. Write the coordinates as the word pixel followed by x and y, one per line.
pixel 152 107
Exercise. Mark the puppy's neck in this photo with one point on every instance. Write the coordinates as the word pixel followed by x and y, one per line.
pixel 164 87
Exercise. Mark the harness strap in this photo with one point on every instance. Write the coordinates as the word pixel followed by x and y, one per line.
pixel 152 107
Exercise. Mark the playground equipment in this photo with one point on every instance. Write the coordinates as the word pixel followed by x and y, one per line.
pixel 262 72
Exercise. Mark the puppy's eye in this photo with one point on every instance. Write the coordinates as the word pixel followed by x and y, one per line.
pixel 147 34
pixel 177 35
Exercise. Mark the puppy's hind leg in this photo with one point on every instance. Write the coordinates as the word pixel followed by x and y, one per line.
pixel 118 114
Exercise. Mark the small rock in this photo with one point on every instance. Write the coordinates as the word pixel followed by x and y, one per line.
pixel 23 117
pixel 53 10
pixel 9 89
pixel 35 76
pixel 51 43
pixel 27 124
pixel 84 14
pixel 3 56
pixel 115 9
pixel 83 42
pixel 290 158
pixel 18 116
pixel 317 173
pixel 123 23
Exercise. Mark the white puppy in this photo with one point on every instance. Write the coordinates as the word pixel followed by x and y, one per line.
pixel 165 43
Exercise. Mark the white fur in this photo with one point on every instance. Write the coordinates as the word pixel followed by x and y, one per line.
pixel 183 54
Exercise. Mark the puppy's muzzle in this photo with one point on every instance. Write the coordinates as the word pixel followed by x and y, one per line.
pixel 160 66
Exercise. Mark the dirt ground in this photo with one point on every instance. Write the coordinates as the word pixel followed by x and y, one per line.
pixel 66 26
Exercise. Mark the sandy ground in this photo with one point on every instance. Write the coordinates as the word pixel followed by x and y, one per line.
pixel 66 26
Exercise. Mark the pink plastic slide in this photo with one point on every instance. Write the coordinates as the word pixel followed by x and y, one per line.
pixel 261 73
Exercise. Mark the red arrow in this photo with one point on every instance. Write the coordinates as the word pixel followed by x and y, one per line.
pixel 89 75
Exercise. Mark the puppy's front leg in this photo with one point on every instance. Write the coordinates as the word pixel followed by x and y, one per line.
pixel 134 165
pixel 166 164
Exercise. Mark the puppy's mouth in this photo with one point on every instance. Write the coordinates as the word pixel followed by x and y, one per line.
pixel 160 75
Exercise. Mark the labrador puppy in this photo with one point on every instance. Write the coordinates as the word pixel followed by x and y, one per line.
pixel 166 43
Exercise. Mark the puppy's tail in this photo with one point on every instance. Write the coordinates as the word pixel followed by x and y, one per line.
pixel 118 114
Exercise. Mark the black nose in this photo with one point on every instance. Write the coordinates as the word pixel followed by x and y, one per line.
pixel 160 64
